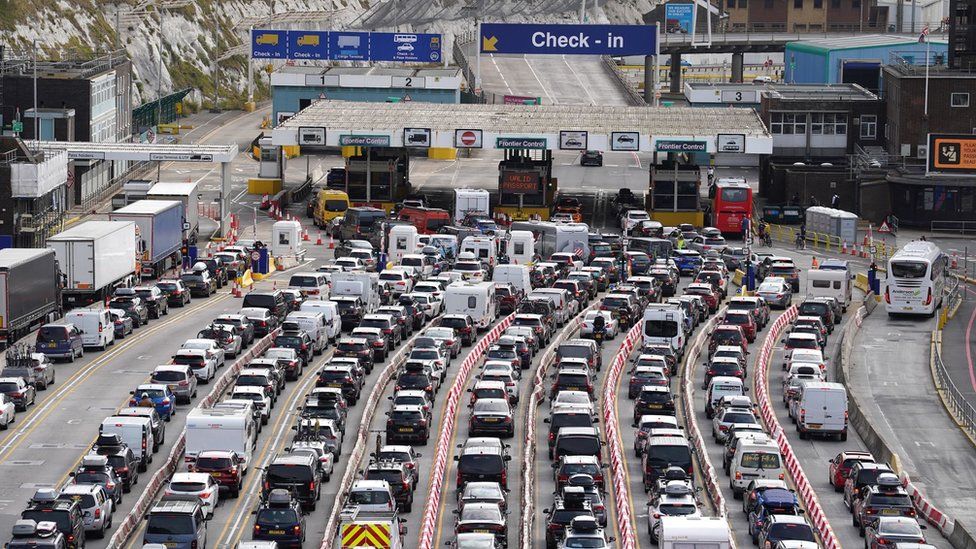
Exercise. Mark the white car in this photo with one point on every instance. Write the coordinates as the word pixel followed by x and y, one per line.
pixel 95 503
pixel 573 399
pixel 323 454
pixel 349 264
pixel 201 485
pixel 405 47
pixel 446 335
pixel 8 411
pixel 256 395
pixel 203 364
pixel 631 218
pixel 678 500
pixel 610 324
pixel 729 416
pixel 429 303
pixel 210 346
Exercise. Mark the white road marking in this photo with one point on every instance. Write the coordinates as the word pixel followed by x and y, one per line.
pixel 580 80
pixel 537 79
pixel 500 73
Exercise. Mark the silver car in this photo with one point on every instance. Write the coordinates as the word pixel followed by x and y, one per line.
pixel 776 292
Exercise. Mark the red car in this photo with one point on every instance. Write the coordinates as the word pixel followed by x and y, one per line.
pixel 707 291
pixel 744 320
pixel 727 334
pixel 225 467
pixel 841 465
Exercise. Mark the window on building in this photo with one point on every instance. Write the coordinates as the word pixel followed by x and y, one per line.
pixel 798 4
pixel 818 4
pixel 856 4
pixel 835 4
pixel 731 3
pixel 869 126
pixel 743 4
pixel 828 123
pixel 788 123
pixel 959 100
pixel 768 4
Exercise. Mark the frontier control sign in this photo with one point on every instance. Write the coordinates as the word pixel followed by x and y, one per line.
pixel 528 38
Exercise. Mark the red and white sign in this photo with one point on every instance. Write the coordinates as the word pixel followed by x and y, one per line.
pixel 467 139
pixel 884 228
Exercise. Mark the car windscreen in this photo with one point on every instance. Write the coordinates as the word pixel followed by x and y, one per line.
pixel 304 281
pixel 909 269
pixel 252 380
pixel 406 416
pixel 661 328
pixel 369 497
pixel 170 524
pixel 276 516
pixel 574 351
pixel 573 380
pixel 168 375
pixel 59 517
pixel 278 473
pixel 480 464
pixel 257 300
pixel 481 514
pixel 760 460
pixel 614 302
pixel 86 501
pixel 663 455
pixel 211 463
pixel 891 500
pixel 578 445
pixel 790 531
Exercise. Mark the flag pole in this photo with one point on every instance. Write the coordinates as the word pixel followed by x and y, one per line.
pixel 927 63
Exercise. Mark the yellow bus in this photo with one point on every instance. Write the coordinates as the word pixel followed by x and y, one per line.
pixel 330 205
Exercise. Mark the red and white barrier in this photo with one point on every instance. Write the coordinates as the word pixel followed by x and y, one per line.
pixel 618 469
pixel 129 524
pixel 527 515
pixel 428 524
pixel 362 441
pixel 706 469
pixel 815 511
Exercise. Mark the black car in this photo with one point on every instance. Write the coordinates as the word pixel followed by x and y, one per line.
pixel 134 308
pixel 407 423
pixel 414 312
pixel 155 299
pixel 341 377
pixel 199 283
pixel 97 470
pixel 482 464
pixel 358 348
pixel 176 292
pixel 463 325
pixel 297 340
pixel 416 380
pixel 350 311
pixel 121 459
pixel 217 270
pixel 280 519
pixel 297 474
pixel 45 506
pixel 653 400
pixel 399 479
pixel 591 158
pixel 243 326
pixel 571 505
pixel 273 301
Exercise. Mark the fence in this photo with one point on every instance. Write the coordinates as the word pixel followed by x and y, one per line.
pixel 963 227
pixel 830 243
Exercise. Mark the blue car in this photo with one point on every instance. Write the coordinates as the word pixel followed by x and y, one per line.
pixel 775 501
pixel 161 396
pixel 59 341
pixel 688 261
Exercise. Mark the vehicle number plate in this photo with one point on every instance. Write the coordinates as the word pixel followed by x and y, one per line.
pixel 52 344
pixel 491 420
pixel 482 532
pixel 276 532
pixel 654 406
pixel 815 425
pixel 406 429
pixel 890 512
pixel 334 385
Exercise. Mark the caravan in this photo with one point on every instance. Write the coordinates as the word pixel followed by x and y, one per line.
pixel 484 248
pixel 226 429
pixel 830 283
pixel 553 238
pixel 470 202
pixel 520 247
pixel 404 239
pixel 476 300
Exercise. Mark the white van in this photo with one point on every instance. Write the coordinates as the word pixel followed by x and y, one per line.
pixel 313 324
pixel 227 429
pixel 135 431
pixel 330 315
pixel 520 247
pixel 421 264
pixel 664 324
pixel 516 275
pixel 830 283
pixel 96 326
pixel 694 532
pixel 721 386
pixel 476 300
pixel 822 410
pixel 310 284
pixel 403 240
pixel 755 459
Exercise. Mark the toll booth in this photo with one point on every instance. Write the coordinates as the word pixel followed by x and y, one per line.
pixel 526 188
pixel 674 194
pixel 378 177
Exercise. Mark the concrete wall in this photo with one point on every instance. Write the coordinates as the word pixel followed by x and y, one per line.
pixel 288 98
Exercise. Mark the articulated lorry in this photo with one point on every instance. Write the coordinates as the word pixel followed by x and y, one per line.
pixel 30 291
pixel 159 231
pixel 95 257
pixel 186 193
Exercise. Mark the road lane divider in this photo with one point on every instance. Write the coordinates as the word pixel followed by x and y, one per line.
pixel 618 469
pixel 527 516
pixel 68 386
pixel 807 493
pixel 362 438
pixel 443 450
pixel 707 471
pixel 157 482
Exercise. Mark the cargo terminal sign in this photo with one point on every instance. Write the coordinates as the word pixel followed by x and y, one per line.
pixel 346 45
pixel 538 38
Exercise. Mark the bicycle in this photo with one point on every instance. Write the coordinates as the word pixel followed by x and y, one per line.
pixel 800 242
pixel 766 240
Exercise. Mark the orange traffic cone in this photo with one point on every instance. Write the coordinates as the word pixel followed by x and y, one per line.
pixel 236 292
pixel 331 242
pixel 318 241
pixel 844 248
pixel 305 237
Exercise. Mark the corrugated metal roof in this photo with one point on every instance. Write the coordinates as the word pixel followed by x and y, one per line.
pixel 824 45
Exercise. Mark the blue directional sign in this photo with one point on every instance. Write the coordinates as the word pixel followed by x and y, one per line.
pixel 269 44
pixel 405 47
pixel 348 46
pixel 541 38
pixel 308 45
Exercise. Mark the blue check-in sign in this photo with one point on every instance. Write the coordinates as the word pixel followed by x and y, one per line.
pixel 269 44
pixel 308 44
pixel 538 38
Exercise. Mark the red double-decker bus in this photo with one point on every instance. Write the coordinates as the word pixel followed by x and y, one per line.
pixel 732 203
